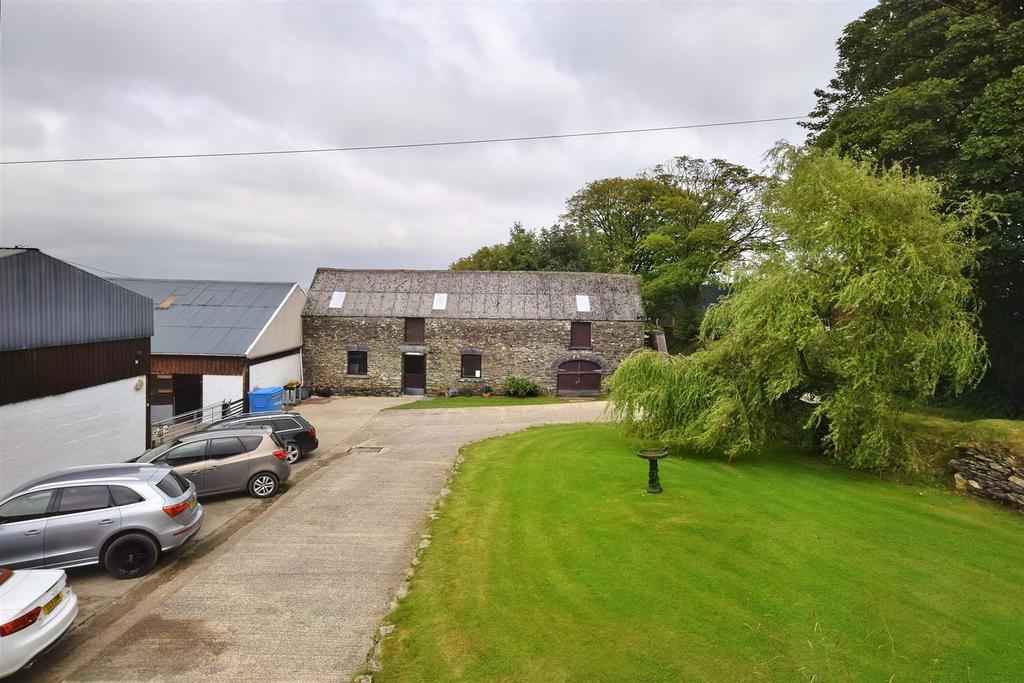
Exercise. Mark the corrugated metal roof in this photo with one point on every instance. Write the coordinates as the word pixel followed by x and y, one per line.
pixel 475 294
pixel 47 302
pixel 209 317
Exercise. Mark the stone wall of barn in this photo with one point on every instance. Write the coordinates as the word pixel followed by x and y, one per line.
pixel 520 348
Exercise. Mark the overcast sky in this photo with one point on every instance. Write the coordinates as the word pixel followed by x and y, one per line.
pixel 129 78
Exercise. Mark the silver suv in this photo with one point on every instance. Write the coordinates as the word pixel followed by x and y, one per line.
pixel 121 516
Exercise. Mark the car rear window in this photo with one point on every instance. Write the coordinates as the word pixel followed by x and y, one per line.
pixel 173 485
pixel 285 423
pixel 123 495
pixel 251 443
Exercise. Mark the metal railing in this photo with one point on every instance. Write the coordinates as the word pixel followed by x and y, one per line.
pixel 183 423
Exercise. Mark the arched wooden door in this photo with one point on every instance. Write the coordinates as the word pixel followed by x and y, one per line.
pixel 579 378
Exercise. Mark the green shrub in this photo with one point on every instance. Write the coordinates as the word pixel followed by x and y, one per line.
pixel 517 386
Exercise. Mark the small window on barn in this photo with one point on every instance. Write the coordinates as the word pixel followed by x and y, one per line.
pixel 471 365
pixel 582 303
pixel 415 331
pixel 440 301
pixel 337 300
pixel 579 336
pixel 357 363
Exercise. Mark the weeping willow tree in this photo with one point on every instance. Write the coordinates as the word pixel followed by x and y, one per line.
pixel 865 305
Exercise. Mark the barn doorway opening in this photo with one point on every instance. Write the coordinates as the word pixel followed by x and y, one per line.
pixel 188 393
pixel 414 374
pixel 579 378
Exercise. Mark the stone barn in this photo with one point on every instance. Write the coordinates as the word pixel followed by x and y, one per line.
pixel 389 332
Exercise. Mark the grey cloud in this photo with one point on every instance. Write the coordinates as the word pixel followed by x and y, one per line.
pixel 107 78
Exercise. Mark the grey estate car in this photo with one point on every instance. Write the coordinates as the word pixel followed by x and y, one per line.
pixel 226 460
pixel 121 516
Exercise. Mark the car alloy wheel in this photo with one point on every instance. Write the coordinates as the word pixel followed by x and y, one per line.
pixel 131 556
pixel 292 453
pixel 263 485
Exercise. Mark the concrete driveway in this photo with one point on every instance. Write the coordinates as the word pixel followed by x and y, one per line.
pixel 296 593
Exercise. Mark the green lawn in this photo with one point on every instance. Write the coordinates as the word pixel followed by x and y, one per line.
pixel 549 562
pixel 475 402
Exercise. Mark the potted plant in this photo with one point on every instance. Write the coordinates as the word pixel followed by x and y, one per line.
pixel 291 392
pixel 485 391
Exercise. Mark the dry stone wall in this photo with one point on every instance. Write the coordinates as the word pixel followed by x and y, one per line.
pixel 521 348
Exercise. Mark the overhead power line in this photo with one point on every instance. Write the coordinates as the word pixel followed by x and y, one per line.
pixel 411 145
pixel 968 14
pixel 100 270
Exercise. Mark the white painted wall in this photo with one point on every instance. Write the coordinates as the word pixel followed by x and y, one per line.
pixel 220 388
pixel 284 329
pixel 276 373
pixel 105 423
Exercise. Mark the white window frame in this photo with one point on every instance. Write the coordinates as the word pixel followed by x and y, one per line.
pixel 582 303
pixel 337 300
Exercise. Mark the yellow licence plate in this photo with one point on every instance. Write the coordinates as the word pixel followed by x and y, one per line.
pixel 54 601
pixel 191 503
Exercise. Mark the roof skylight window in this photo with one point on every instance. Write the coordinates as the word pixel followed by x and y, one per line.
pixel 440 301
pixel 582 303
pixel 167 303
pixel 337 300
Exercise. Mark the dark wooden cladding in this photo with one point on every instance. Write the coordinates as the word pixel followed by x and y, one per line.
pixel 161 390
pixel 34 373
pixel 197 365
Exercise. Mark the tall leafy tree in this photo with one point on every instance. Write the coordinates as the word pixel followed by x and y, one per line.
pixel 864 303
pixel 676 226
pixel 521 252
pixel 710 219
pixel 939 86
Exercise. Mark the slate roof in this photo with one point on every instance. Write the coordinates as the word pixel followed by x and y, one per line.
pixel 529 295
pixel 209 317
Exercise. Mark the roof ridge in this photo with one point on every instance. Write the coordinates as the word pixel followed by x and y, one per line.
pixel 456 272
pixel 221 282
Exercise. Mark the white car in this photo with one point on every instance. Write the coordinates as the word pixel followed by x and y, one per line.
pixel 37 607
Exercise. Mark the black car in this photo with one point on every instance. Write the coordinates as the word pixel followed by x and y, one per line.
pixel 294 431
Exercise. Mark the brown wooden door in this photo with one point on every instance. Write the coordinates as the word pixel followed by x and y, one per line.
pixel 414 373
pixel 579 378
